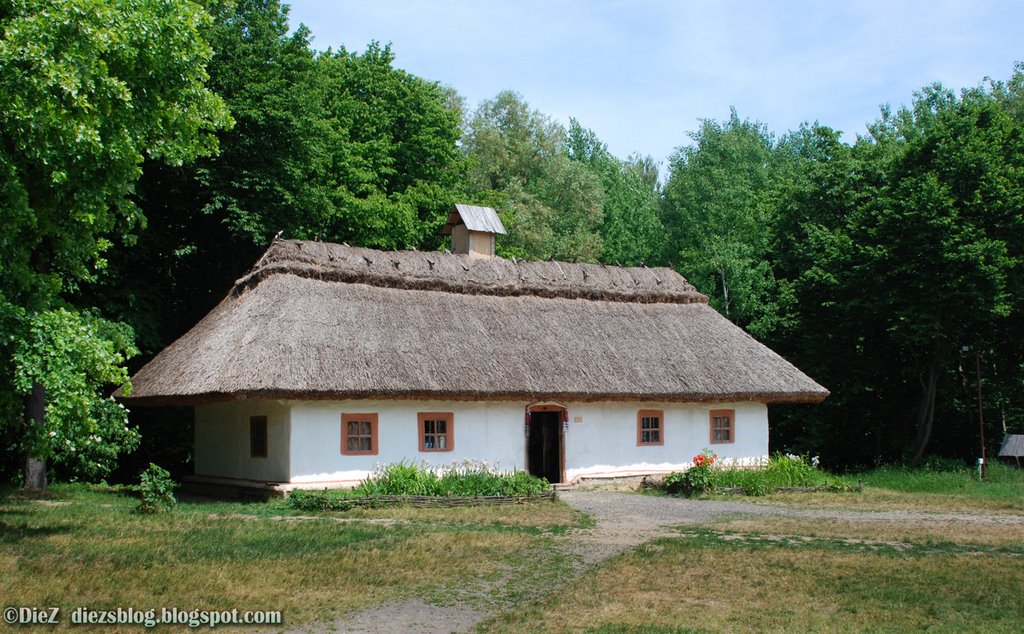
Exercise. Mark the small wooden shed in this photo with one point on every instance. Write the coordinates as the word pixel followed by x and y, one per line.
pixel 1013 447
pixel 473 230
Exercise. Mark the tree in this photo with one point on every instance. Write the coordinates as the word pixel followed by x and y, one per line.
pixel 394 163
pixel 518 163
pixel 631 231
pixel 820 185
pixel 902 251
pixel 942 240
pixel 341 147
pixel 88 90
pixel 719 211
pixel 209 220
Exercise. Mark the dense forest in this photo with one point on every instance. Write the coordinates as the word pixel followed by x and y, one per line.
pixel 151 151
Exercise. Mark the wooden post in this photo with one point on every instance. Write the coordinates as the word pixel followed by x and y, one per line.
pixel 35 412
pixel 981 416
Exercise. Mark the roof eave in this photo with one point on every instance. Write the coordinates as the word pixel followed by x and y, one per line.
pixel 576 397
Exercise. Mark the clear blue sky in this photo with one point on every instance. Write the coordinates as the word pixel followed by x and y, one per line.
pixel 642 73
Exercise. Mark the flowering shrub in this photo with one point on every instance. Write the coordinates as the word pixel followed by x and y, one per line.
pixel 697 479
pixel 705 459
pixel 778 471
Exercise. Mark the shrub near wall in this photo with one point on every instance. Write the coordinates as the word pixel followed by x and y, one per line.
pixel 783 471
pixel 421 485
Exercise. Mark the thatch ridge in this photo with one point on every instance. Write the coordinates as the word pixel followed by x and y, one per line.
pixel 451 273
pixel 309 323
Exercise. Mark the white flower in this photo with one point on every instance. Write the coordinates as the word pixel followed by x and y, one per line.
pixel 52 434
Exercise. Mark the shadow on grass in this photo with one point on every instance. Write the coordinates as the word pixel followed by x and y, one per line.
pixel 16 532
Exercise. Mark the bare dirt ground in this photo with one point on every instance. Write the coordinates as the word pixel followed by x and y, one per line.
pixel 623 521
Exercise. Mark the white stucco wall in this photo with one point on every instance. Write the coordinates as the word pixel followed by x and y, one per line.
pixel 604 442
pixel 304 438
pixel 222 441
pixel 489 431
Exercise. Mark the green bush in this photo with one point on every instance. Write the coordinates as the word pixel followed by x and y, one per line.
pixel 472 478
pixel 156 490
pixel 401 478
pixel 782 471
pixel 674 483
pixel 465 479
pixel 698 479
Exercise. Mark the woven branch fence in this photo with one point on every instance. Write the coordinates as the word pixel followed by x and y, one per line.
pixel 819 489
pixel 434 501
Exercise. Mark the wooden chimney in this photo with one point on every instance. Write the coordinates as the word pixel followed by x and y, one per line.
pixel 473 230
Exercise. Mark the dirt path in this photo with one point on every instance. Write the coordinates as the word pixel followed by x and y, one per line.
pixel 648 512
pixel 623 521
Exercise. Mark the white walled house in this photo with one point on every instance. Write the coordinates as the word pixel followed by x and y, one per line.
pixel 326 360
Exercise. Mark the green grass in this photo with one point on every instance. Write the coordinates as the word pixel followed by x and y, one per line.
pixel 77 546
pixel 781 471
pixel 1002 482
pixel 706 581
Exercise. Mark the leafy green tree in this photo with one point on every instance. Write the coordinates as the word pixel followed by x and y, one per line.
pixel 518 163
pixel 338 146
pixel 819 185
pixel 209 220
pixel 942 240
pixel 719 210
pixel 394 163
pixel 69 355
pixel 901 252
pixel 1010 94
pixel 631 232
pixel 88 90
pixel 341 147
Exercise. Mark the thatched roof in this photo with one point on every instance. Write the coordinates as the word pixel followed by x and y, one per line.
pixel 327 321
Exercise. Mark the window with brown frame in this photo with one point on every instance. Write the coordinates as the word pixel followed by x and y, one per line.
pixel 359 434
pixel 437 431
pixel 723 425
pixel 650 427
pixel 257 436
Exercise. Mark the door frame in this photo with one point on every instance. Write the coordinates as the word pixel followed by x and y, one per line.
pixel 549 406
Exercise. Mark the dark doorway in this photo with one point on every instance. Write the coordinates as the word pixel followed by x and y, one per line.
pixel 544 447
